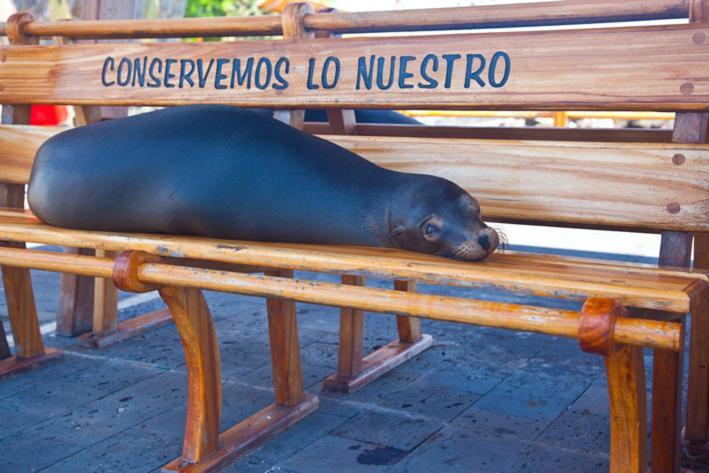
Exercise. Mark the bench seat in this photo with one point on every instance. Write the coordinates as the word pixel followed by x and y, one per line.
pixel 634 285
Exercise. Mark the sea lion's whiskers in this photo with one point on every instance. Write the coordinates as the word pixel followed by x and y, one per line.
pixel 504 241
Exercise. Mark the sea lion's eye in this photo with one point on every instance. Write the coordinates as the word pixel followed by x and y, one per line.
pixel 430 230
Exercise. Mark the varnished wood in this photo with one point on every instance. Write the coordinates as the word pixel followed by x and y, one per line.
pixel 15 364
pixel 351 346
pixel 76 301
pixel 17 282
pixel 597 325
pixel 523 181
pixel 668 370
pixel 376 364
pixel 248 435
pixel 285 348
pixel 492 16
pixel 691 128
pixel 638 135
pixel 127 329
pixel 635 285
pixel 650 333
pixel 194 323
pixel 548 73
pixel 626 390
pixel 409 328
pixel 105 311
pixel 528 181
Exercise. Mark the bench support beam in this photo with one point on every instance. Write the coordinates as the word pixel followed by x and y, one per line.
pixel 355 371
pixel 17 282
pixel 204 448
pixel 626 384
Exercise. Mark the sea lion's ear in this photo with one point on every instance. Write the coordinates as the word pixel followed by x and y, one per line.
pixel 399 229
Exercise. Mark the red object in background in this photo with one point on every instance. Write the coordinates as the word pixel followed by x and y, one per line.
pixel 47 114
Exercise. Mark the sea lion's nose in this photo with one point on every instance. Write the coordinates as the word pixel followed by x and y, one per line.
pixel 484 241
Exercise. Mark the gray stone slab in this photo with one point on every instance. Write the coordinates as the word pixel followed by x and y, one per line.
pixel 124 452
pixel 263 376
pixel 533 394
pixel 238 402
pixel 593 401
pixel 547 459
pixel 579 431
pixel 330 454
pixel 93 422
pixel 296 438
pixel 389 429
pixel 32 451
pixel 495 424
pixel 54 397
pixel 430 401
pixel 456 450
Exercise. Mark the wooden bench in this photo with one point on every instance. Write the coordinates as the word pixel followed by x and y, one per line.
pixel 644 186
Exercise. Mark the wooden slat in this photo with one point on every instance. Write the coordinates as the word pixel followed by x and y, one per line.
pixel 19 145
pixel 641 186
pixel 633 285
pixel 492 16
pixel 641 68
pixel 638 135
pixel 627 331
pixel 583 184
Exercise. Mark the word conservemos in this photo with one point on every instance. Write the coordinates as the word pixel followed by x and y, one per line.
pixel 372 72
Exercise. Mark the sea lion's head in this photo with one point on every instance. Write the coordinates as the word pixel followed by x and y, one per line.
pixel 440 218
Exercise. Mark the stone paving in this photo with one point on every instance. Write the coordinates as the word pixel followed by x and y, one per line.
pixel 480 400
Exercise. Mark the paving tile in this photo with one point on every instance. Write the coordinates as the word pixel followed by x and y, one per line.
pixel 593 401
pixel 454 450
pixel 388 429
pixel 65 367
pixel 14 420
pixel 160 347
pixel 579 431
pixel 238 402
pixel 430 401
pixel 123 452
pixel 330 453
pixel 495 424
pixel 104 377
pixel 299 436
pixel 263 376
pixel 33 451
pixel 114 413
pixel 533 394
pixel 542 458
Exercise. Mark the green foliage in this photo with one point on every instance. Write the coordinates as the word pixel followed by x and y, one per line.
pixel 196 8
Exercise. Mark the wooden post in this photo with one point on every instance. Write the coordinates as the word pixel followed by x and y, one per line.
pixel 22 311
pixel 626 384
pixel 204 393
pixel 692 128
pixel 285 348
pixel 204 449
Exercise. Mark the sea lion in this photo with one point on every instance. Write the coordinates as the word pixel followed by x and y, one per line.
pixel 230 173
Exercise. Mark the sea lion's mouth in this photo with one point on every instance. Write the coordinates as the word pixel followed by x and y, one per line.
pixel 477 250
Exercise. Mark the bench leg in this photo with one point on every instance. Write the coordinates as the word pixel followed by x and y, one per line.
pixel 355 371
pixel 626 389
pixel 696 441
pixel 204 448
pixel 666 418
pixel 626 383
pixel 29 348
pixel 88 307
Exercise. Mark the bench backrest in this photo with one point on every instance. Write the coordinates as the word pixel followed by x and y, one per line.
pixel 644 186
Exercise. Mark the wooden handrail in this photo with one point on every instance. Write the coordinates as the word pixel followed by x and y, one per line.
pixel 637 332
pixel 462 18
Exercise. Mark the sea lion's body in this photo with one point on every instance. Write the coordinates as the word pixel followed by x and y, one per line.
pixel 217 171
